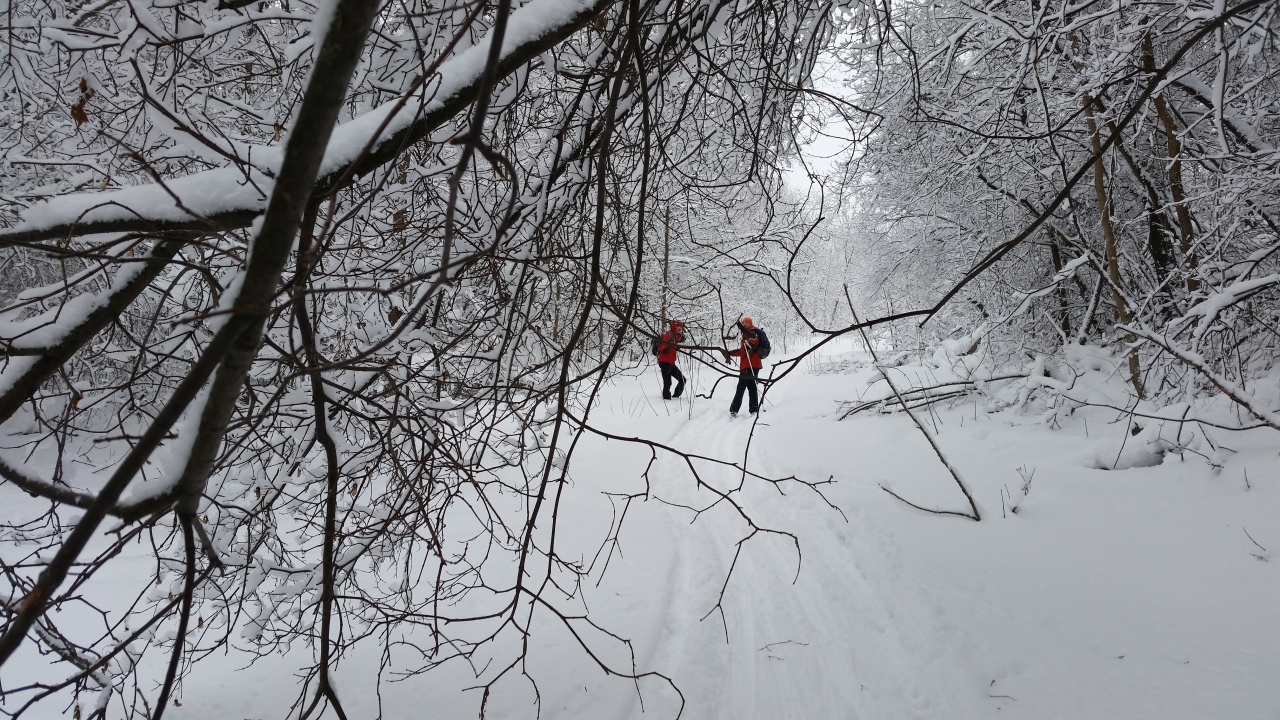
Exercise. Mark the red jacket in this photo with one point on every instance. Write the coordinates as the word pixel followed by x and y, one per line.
pixel 667 353
pixel 746 353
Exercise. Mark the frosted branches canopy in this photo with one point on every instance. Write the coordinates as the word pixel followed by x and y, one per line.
pixel 337 393
pixel 318 349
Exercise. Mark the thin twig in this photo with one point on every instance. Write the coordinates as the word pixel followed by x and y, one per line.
pixel 976 516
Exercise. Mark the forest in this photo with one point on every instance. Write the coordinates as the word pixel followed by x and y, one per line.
pixel 307 305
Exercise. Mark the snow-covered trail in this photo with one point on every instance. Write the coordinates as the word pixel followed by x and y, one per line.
pixel 832 630
pixel 1110 594
pixel 1132 594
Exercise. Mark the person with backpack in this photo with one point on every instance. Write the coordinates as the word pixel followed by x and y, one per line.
pixel 753 346
pixel 666 350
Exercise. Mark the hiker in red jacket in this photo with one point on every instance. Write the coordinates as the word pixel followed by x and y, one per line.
pixel 749 365
pixel 667 350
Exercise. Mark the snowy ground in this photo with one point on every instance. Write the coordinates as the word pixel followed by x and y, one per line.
pixel 1126 594
pixel 1129 593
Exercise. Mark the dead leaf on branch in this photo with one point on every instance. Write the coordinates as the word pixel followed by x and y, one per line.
pixel 77 111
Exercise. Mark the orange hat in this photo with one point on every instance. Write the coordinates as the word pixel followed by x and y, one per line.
pixel 747 323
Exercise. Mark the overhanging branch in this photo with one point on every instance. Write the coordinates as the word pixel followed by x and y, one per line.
pixel 383 151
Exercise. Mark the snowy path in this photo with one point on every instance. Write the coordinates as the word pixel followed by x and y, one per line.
pixel 842 635
pixel 1125 594
pixel 1130 594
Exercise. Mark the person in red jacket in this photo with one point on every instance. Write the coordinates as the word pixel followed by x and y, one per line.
pixel 667 350
pixel 749 365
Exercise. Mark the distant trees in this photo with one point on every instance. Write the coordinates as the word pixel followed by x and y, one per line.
pixel 1105 171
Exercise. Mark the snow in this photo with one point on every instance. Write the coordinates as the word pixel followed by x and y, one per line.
pixel 525 24
pixel 201 195
pixel 170 459
pixel 227 189
pixel 1146 592
pixel 1209 308
pixel 52 326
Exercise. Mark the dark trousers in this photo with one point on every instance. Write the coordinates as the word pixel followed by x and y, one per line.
pixel 669 371
pixel 746 381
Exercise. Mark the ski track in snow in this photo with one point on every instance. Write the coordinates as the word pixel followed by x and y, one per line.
pixel 1111 594
pixel 831 637
pixel 1130 594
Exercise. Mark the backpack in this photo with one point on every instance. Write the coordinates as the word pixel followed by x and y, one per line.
pixel 763 348
pixel 658 346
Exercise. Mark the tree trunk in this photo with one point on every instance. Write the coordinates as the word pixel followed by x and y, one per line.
pixel 1064 321
pixel 1185 229
pixel 666 263
pixel 1159 234
pixel 1109 239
